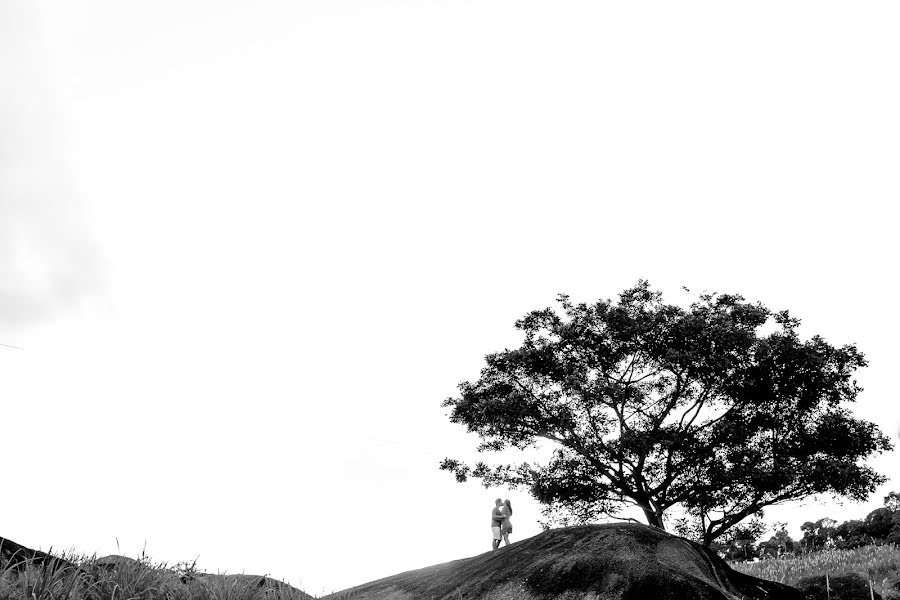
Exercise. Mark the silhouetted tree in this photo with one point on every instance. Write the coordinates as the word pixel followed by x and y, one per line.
pixel 739 542
pixel 851 534
pixel 894 535
pixel 780 543
pixel 656 406
pixel 882 525
pixel 892 501
pixel 879 523
pixel 817 534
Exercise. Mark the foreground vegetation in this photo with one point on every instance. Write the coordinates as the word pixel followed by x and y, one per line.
pixel 879 564
pixel 80 578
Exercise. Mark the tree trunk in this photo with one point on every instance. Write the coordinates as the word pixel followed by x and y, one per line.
pixel 653 519
pixel 708 538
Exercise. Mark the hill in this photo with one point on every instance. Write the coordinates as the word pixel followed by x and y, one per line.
pixel 134 578
pixel 13 553
pixel 590 562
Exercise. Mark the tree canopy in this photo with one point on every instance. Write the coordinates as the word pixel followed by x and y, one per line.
pixel 714 411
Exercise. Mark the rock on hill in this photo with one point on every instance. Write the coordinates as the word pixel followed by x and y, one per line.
pixel 590 562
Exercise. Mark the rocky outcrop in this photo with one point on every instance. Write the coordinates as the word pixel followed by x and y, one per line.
pixel 591 562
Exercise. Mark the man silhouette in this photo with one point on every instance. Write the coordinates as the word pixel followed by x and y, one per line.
pixel 497 517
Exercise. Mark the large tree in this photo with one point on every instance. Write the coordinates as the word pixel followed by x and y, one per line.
pixel 714 411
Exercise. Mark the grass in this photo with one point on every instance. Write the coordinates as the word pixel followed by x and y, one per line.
pixel 879 564
pixel 84 578
pixel 80 578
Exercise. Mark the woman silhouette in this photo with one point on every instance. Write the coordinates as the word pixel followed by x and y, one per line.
pixel 506 526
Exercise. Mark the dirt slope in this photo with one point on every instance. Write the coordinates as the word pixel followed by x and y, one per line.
pixel 591 562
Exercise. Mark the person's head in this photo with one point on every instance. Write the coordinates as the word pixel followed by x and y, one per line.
pixel 508 505
pixel 498 502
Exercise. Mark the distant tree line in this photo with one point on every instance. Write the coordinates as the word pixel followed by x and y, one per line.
pixel 881 526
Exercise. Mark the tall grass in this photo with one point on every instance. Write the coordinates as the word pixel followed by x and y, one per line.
pixel 81 578
pixel 52 580
pixel 879 564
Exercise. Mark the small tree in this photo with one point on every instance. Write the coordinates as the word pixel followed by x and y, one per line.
pixel 879 524
pixel 655 406
pixel 892 502
pixel 739 543
pixel 778 544
pixel 851 534
pixel 818 534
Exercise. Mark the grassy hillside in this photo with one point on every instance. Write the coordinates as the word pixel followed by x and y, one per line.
pixel 880 564
pixel 540 564
pixel 118 577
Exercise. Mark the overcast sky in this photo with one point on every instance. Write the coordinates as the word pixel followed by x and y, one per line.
pixel 247 249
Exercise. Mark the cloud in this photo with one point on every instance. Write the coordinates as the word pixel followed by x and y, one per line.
pixel 49 262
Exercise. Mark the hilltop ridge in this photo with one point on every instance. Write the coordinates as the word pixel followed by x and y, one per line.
pixel 588 562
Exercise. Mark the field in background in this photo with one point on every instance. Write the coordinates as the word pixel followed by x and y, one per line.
pixel 880 564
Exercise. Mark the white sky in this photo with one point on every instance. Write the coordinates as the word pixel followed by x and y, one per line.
pixel 248 248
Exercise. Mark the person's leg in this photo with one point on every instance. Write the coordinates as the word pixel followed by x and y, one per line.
pixel 495 532
pixel 506 538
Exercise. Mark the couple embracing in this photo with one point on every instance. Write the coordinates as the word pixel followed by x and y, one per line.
pixel 501 526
